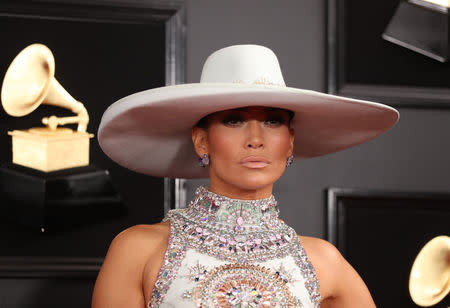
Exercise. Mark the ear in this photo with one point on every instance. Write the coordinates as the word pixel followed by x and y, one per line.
pixel 291 140
pixel 200 140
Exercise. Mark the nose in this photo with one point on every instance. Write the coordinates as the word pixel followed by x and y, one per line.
pixel 255 136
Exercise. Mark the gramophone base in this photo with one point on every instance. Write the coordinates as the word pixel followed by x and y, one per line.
pixel 50 152
pixel 57 200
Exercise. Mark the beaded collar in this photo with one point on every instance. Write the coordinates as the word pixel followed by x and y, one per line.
pixel 231 229
pixel 240 232
pixel 234 214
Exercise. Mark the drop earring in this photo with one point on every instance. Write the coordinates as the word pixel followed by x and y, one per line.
pixel 290 160
pixel 203 161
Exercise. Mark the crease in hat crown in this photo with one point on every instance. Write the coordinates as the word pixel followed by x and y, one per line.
pixel 246 64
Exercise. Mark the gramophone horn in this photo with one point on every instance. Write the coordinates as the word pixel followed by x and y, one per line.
pixel 29 82
pixel 429 280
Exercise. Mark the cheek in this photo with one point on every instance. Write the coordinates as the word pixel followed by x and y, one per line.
pixel 224 144
pixel 280 144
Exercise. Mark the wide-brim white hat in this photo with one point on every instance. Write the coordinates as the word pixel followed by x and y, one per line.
pixel 150 131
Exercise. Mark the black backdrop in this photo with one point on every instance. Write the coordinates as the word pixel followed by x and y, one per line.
pixel 361 64
pixel 380 234
pixel 98 61
pixel 372 60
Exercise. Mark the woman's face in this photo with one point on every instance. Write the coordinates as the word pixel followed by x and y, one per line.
pixel 247 148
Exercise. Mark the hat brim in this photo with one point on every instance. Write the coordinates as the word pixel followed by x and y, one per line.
pixel 150 131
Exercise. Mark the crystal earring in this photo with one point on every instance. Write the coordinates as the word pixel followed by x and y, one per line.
pixel 290 160
pixel 203 161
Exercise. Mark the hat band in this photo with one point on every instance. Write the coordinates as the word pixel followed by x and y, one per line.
pixel 262 81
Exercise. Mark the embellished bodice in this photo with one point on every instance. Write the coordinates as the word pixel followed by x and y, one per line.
pixel 226 252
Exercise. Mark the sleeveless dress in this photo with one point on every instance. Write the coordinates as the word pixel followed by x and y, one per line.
pixel 226 252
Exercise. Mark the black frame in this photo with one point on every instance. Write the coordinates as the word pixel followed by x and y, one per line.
pixel 375 255
pixel 333 196
pixel 397 95
pixel 173 15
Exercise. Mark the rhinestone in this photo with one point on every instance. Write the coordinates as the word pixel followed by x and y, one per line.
pixel 211 220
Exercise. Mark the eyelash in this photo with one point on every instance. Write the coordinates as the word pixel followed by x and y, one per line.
pixel 279 121
pixel 237 120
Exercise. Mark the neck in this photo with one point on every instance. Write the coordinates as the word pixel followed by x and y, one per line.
pixel 232 191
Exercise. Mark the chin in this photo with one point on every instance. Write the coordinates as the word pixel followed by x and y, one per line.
pixel 254 182
pixel 248 179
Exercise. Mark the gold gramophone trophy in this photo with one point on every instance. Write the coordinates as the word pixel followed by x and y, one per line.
pixel 429 279
pixel 49 183
pixel 28 83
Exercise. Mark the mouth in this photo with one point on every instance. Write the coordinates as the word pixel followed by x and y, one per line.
pixel 254 162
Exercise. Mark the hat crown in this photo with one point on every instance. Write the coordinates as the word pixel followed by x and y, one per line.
pixel 247 64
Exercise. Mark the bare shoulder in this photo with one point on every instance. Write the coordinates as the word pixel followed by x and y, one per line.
pixel 140 241
pixel 119 282
pixel 143 234
pixel 317 247
pixel 142 244
pixel 322 255
pixel 337 278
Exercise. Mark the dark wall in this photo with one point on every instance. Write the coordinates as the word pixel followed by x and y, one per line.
pixel 42 292
pixel 98 60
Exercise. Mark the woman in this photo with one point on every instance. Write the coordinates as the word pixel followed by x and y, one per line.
pixel 228 248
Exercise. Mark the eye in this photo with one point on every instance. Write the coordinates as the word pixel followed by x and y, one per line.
pixel 233 120
pixel 275 121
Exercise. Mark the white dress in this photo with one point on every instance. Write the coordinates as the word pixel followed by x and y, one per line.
pixel 233 253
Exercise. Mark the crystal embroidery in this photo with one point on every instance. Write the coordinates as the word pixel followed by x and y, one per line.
pixel 197 272
pixel 229 246
pixel 240 285
pixel 172 260
pixel 243 285
pixel 238 232
pixel 284 274
pixel 308 271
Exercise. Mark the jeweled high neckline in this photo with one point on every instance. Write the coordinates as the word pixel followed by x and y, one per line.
pixel 236 214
